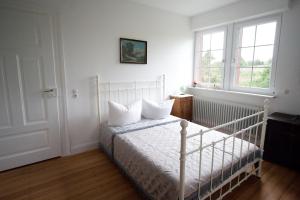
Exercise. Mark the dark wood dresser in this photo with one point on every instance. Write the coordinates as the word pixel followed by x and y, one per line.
pixel 282 142
pixel 183 106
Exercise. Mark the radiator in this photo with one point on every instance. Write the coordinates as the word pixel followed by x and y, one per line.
pixel 211 112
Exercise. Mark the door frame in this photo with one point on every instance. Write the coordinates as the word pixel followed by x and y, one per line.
pixel 58 60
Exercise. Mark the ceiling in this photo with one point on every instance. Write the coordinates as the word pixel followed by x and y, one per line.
pixel 186 7
pixel 182 7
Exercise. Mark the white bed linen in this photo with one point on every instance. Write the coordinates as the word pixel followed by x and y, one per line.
pixel 151 157
pixel 107 133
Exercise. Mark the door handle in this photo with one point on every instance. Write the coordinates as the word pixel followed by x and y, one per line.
pixel 52 92
pixel 48 91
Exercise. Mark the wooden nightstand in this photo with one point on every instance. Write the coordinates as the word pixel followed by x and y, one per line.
pixel 183 106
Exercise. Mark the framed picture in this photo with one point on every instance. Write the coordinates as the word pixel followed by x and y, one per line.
pixel 133 51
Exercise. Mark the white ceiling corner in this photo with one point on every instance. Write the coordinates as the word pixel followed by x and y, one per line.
pixel 186 7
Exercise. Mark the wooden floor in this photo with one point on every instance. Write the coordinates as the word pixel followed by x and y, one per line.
pixel 92 175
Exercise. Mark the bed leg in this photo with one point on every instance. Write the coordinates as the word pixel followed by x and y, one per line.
pixel 183 133
pixel 257 167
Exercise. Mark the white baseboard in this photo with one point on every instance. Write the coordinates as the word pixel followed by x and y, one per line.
pixel 84 147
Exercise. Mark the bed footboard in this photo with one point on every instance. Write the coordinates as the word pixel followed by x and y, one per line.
pixel 250 143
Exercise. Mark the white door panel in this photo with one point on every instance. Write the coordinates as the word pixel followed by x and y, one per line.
pixel 5 114
pixel 22 27
pixel 31 84
pixel 29 123
pixel 26 142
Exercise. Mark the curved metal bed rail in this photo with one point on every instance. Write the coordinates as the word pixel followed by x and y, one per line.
pixel 236 133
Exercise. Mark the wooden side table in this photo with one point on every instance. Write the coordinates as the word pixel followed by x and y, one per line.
pixel 183 106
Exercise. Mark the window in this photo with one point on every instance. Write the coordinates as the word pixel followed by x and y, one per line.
pixel 251 52
pixel 210 57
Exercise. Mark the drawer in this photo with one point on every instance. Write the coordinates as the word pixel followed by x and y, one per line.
pixel 280 126
pixel 282 144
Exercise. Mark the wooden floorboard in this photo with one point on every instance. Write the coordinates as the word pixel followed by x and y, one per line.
pixel 91 175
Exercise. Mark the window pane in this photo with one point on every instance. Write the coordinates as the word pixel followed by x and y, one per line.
pixel 216 58
pixel 265 34
pixel 263 56
pixel 206 42
pixel 245 57
pixel 248 36
pixel 261 77
pixel 217 40
pixel 204 75
pixel 243 77
pixel 205 59
pixel 216 77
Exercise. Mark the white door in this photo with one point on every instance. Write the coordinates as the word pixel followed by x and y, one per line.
pixel 29 124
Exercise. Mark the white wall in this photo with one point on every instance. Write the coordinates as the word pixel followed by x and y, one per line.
pixel 287 81
pixel 90 36
pixel 238 11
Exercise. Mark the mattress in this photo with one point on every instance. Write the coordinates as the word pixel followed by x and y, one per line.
pixel 107 133
pixel 150 156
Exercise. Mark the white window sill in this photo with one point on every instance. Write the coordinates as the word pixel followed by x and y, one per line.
pixel 233 92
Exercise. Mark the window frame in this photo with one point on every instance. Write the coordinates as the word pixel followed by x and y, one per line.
pixel 198 49
pixel 231 34
pixel 236 30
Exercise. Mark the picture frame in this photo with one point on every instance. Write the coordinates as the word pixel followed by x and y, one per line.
pixel 133 51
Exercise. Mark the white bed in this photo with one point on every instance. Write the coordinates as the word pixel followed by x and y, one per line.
pixel 149 152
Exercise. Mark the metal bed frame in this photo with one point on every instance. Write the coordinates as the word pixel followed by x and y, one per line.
pixel 137 89
pixel 124 92
pixel 254 165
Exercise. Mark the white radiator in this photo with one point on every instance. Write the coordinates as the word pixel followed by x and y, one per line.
pixel 211 112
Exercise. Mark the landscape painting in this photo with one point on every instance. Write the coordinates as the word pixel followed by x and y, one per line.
pixel 133 51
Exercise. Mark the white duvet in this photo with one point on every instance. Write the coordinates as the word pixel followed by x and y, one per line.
pixel 151 157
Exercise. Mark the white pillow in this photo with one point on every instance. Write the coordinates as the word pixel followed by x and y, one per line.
pixel 153 110
pixel 119 114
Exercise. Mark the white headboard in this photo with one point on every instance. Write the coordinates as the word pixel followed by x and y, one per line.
pixel 127 92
